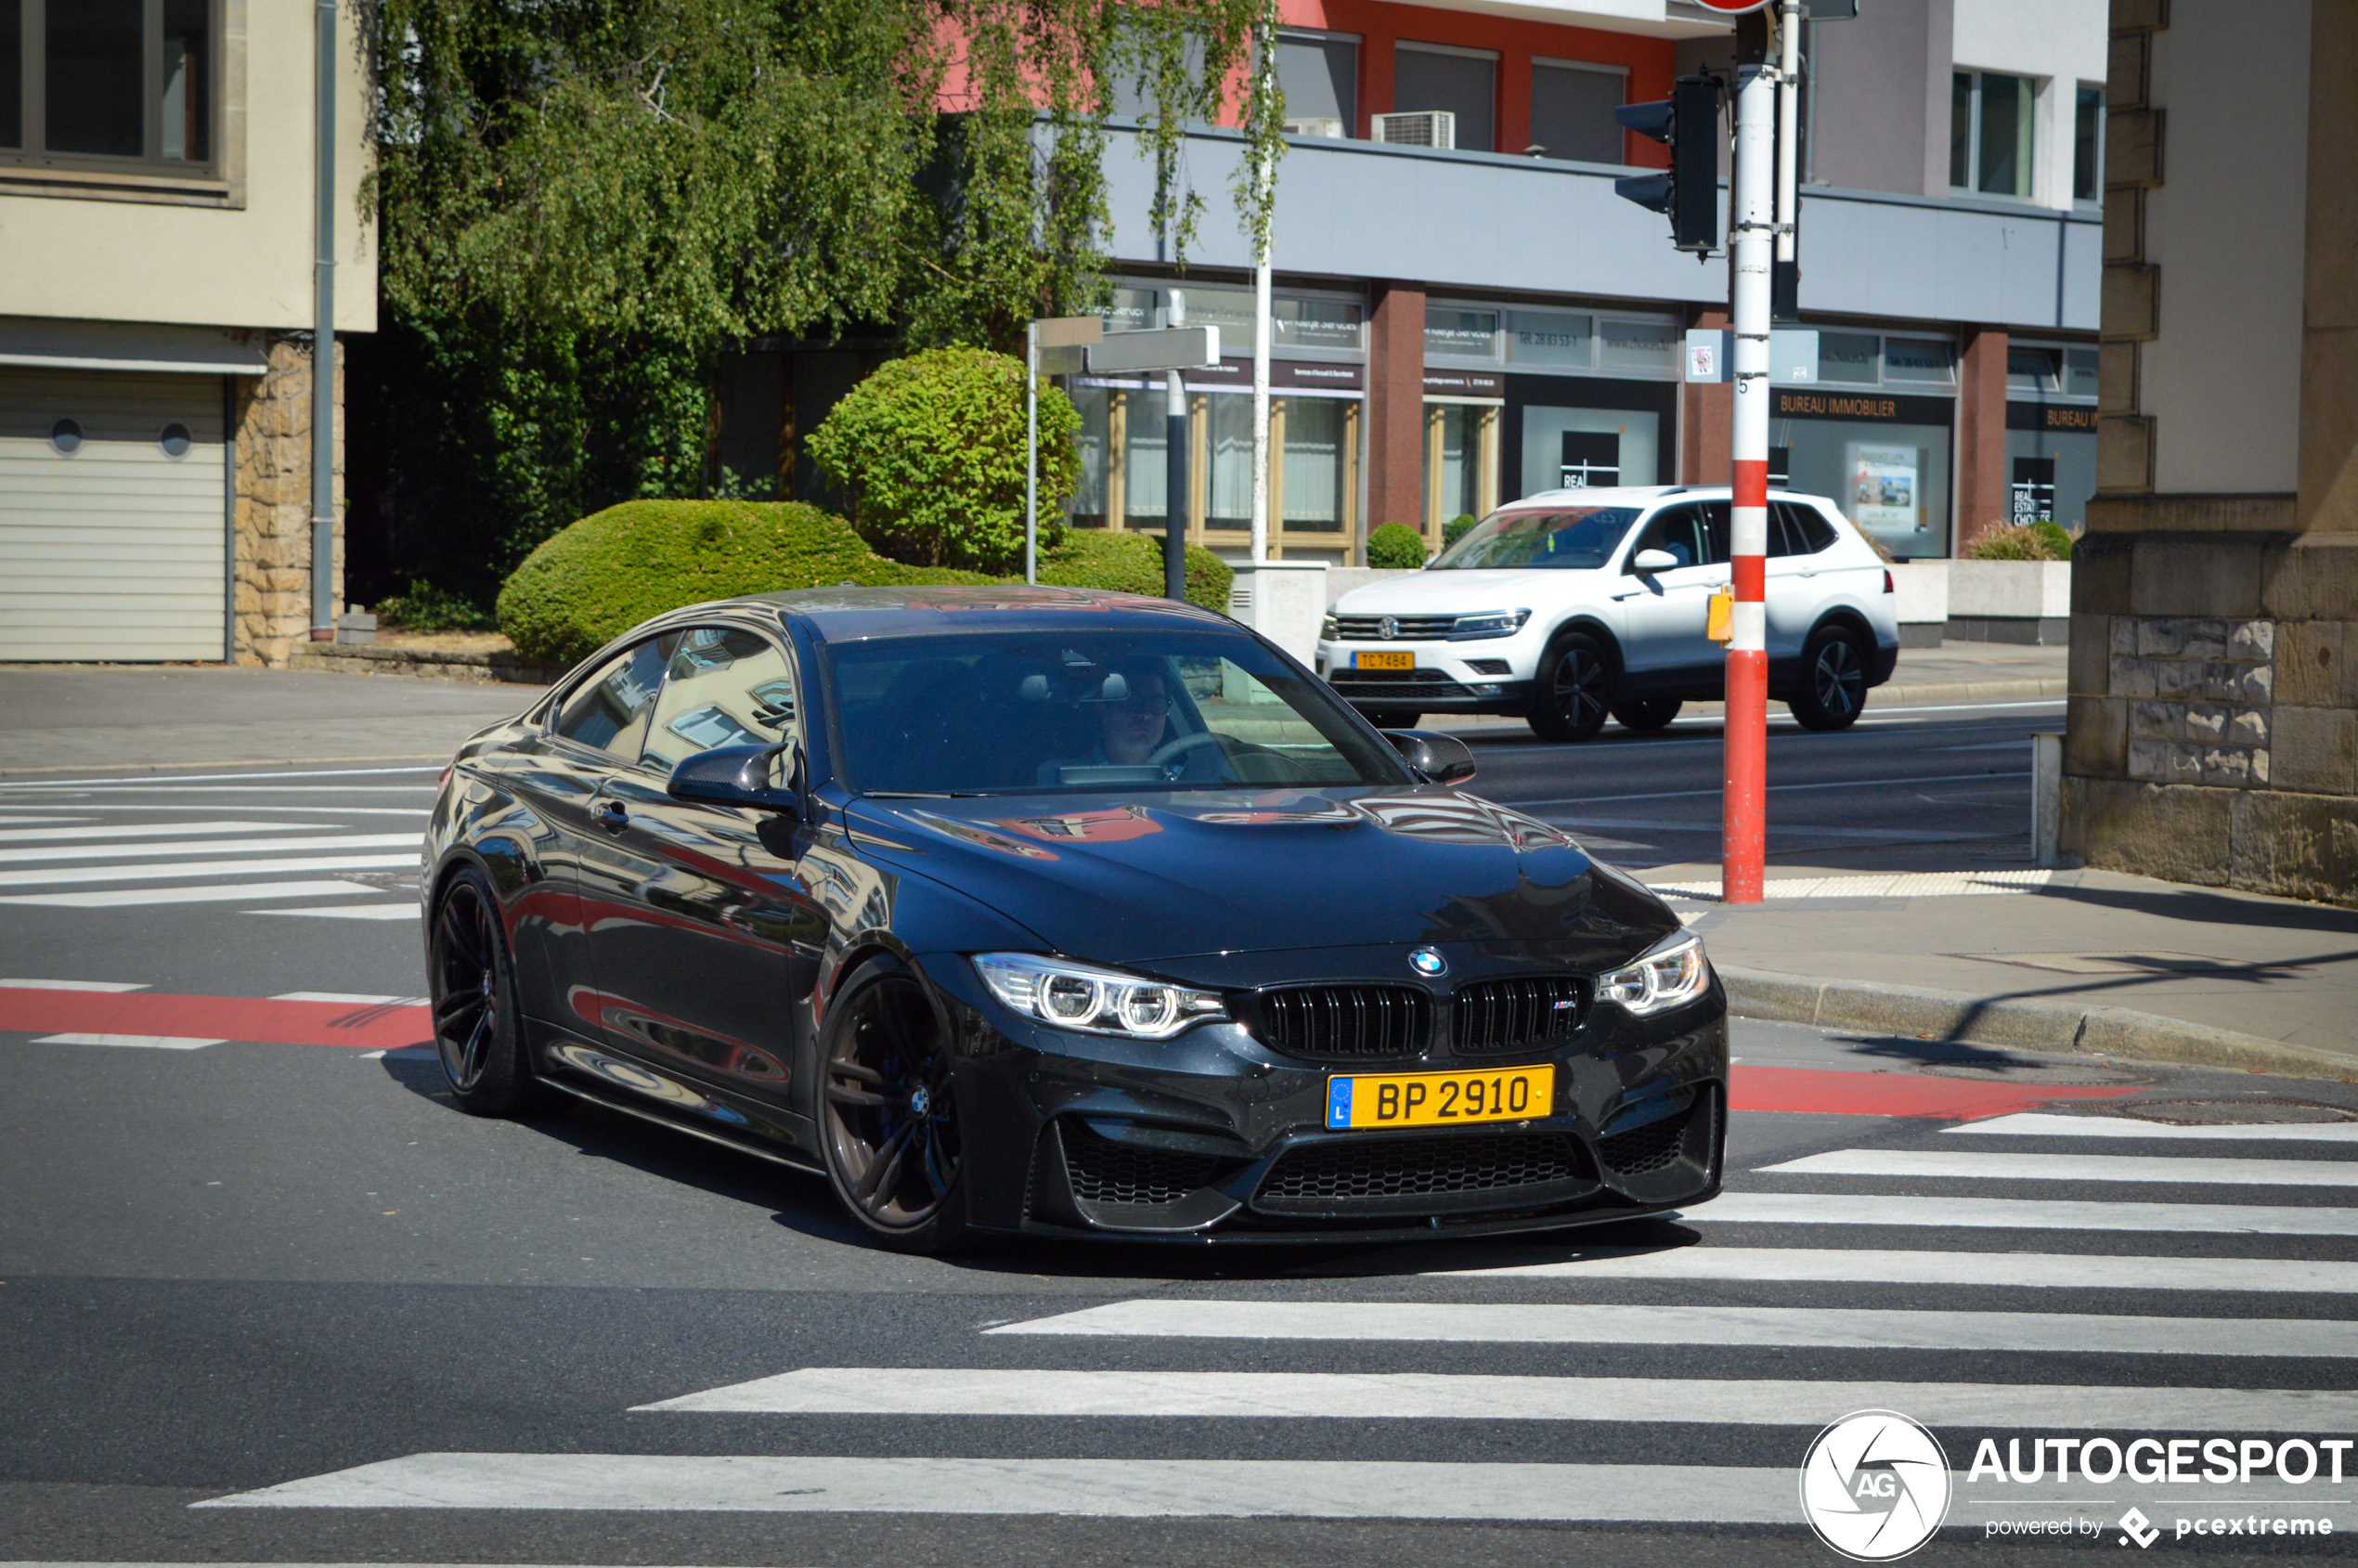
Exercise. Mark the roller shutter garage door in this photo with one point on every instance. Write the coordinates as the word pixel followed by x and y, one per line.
pixel 112 532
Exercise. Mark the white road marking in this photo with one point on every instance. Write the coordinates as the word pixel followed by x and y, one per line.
pixel 350 912
pixel 149 1041
pixel 1773 789
pixel 1976 1165
pixel 2019 1213
pixel 211 868
pixel 215 778
pixel 2045 1124
pixel 1897 884
pixel 353 998
pixel 1107 1488
pixel 1824 1328
pixel 273 805
pixel 17 819
pixel 129 830
pixel 2059 1271
pixel 127 898
pixel 9 856
pixel 74 985
pixel 901 1391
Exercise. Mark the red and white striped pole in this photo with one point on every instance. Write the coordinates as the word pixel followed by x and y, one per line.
pixel 1743 827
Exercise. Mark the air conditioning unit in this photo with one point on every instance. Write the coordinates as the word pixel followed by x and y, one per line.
pixel 1425 127
pixel 1314 125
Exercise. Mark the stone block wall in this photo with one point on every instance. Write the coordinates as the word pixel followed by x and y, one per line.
pixel 273 455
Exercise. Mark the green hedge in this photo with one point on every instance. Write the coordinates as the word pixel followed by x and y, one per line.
pixel 597 580
pixel 1396 547
pixel 2039 542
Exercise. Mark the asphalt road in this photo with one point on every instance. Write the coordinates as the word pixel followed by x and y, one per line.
pixel 253 1293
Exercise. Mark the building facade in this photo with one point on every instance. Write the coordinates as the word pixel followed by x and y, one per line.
pixel 157 247
pixel 2214 729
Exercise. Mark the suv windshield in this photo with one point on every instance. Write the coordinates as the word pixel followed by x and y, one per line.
pixel 1021 713
pixel 1577 539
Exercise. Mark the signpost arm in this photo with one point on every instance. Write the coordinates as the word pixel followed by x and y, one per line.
pixel 1174 561
pixel 1031 452
pixel 1743 804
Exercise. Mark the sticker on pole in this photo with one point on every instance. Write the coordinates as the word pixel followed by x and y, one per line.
pixel 1875 1486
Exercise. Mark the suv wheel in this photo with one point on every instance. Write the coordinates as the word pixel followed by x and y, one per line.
pixel 1575 690
pixel 1834 680
pixel 1646 715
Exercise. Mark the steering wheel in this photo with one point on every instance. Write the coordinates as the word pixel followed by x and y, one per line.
pixel 1164 753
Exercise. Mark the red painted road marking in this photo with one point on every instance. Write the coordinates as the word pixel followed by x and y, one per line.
pixel 1893 1093
pixel 221 1017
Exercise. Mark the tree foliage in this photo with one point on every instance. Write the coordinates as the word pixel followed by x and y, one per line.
pixel 584 202
pixel 931 450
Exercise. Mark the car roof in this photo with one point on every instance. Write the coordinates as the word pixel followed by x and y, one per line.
pixel 846 613
pixel 1642 495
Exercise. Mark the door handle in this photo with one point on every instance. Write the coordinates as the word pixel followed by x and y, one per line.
pixel 612 817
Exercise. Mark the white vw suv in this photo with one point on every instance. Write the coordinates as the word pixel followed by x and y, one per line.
pixel 1573 604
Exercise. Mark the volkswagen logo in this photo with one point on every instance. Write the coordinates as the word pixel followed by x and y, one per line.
pixel 1388 629
pixel 1428 963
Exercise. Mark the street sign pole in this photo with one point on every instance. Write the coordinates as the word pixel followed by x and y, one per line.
pixel 1031 451
pixel 1174 549
pixel 1743 826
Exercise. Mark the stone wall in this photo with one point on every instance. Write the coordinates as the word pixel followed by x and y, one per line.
pixel 273 506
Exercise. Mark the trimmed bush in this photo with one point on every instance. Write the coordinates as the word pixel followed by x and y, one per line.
pixel 930 449
pixel 598 578
pixel 2058 539
pixel 1127 563
pixel 1456 528
pixel 2037 541
pixel 1396 547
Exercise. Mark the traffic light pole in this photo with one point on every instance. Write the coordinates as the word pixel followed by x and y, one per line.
pixel 1743 820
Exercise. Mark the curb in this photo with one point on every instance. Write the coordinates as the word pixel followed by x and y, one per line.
pixel 2046 1025
pixel 2016 690
pixel 444 664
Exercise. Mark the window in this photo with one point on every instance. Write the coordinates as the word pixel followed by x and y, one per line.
pixel 1572 111
pixel 2032 369
pixel 1849 356
pixel 1547 337
pixel 1932 361
pixel 1319 75
pixel 1868 360
pixel 1990 145
pixel 1795 529
pixel 109 80
pixel 1460 334
pixel 1577 540
pixel 1680 531
pixel 611 709
pixel 1316 433
pixel 723 687
pixel 1464 81
pixel 2088 145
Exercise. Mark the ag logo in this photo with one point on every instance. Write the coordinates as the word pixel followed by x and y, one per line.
pixel 1875 1486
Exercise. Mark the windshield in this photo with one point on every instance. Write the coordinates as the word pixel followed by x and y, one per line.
pixel 1028 712
pixel 1574 539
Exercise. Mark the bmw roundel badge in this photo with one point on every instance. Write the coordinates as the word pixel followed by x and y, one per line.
pixel 1428 963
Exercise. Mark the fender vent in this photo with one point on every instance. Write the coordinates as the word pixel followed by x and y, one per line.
pixel 1651 1146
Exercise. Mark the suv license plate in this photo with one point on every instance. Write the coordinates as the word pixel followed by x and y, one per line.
pixel 1402 660
pixel 1440 1099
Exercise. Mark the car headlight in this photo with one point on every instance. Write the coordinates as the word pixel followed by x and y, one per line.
pixel 1492 623
pixel 1328 630
pixel 1675 971
pixel 1095 1000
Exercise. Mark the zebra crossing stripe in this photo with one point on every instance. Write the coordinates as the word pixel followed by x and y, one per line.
pixel 212 868
pixel 131 898
pixel 2059 1271
pixel 2037 1125
pixel 43 853
pixel 2020 1214
pixel 1820 1328
pixel 74 985
pixel 1032 1392
pixel 143 1041
pixel 17 834
pixel 1106 1489
pixel 407 910
pixel 1979 1165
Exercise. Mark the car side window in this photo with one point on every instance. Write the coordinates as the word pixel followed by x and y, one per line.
pixel 1680 530
pixel 610 710
pixel 1797 529
pixel 1718 531
pixel 725 686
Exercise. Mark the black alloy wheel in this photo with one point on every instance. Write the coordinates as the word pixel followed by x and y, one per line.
pixel 1833 681
pixel 473 995
pixel 1646 715
pixel 1575 690
pixel 894 1153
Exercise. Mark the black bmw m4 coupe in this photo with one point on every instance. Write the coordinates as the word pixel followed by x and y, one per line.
pixel 1038 910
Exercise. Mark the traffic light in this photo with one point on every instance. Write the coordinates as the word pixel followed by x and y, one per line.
pixel 1687 122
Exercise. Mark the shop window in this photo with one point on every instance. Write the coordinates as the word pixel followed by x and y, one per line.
pixel 1460 334
pixel 1989 133
pixel 1145 452
pixel 1094 405
pixel 1319 75
pixel 1549 338
pixel 1891 480
pixel 1572 109
pixel 1637 346
pixel 1338 325
pixel 1926 361
pixel 1587 448
pixel 2079 372
pixel 1461 463
pixel 1849 356
pixel 110 80
pixel 2033 369
pixel 2052 473
pixel 1591 460
pixel 2088 145
pixel 1464 81
pixel 1228 428
pixel 1315 447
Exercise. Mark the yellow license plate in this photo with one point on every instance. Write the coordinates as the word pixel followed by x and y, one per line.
pixel 1385 661
pixel 1440 1099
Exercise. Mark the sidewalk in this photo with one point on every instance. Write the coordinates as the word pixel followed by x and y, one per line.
pixel 2072 960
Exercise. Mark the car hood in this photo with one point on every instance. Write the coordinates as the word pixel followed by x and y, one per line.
pixel 1239 871
pixel 1428 593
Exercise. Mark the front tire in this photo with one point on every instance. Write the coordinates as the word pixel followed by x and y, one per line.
pixel 472 984
pixel 890 1120
pixel 1833 681
pixel 1575 690
pixel 1646 715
